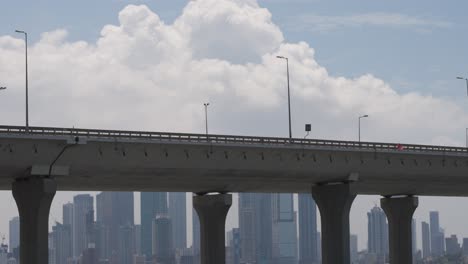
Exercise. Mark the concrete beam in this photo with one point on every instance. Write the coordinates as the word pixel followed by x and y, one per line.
pixel 33 197
pixel 399 211
pixel 334 202
pixel 212 211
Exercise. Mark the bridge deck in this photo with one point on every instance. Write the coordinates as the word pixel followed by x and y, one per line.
pixel 155 161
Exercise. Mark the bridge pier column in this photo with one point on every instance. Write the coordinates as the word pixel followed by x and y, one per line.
pixel 334 202
pixel 212 211
pixel 399 211
pixel 33 198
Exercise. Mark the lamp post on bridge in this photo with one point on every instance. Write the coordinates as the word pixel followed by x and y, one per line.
pixel 466 137
pixel 359 126
pixel 289 97
pixel 466 79
pixel 26 60
pixel 206 117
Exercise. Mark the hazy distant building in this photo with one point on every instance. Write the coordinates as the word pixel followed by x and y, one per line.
pixel 152 204
pixel 284 229
pixel 233 247
pixel 465 247
pixel 67 214
pixel 195 233
pixel 353 249
pixel 126 242
pixel 437 236
pixel 14 233
pixel 61 243
pixel 452 245
pixel 413 239
pixel 426 240
pixel 307 229
pixel 178 215
pixel 138 239
pixel 82 206
pixel 113 211
pixel 163 249
pixel 377 231
pixel 255 224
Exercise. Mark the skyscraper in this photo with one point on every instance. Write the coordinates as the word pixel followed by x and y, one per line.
pixel 14 233
pixel 353 248
pixel 377 231
pixel 114 210
pixel 413 239
pixel 163 249
pixel 61 243
pixel 195 233
pixel 233 246
pixel 247 226
pixel 178 215
pixel 256 227
pixel 82 206
pixel 426 240
pixel 126 241
pixel 284 229
pixel 152 204
pixel 67 214
pixel 437 236
pixel 453 247
pixel 307 229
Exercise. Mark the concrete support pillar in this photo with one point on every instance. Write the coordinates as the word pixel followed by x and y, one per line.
pixel 33 197
pixel 334 203
pixel 399 213
pixel 212 211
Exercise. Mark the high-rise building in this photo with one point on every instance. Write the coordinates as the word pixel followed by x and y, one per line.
pixel 453 248
pixel 377 231
pixel 113 211
pixel 256 227
pixel 61 243
pixel 353 249
pixel 307 229
pixel 67 214
pixel 465 247
pixel 284 229
pixel 82 206
pixel 195 236
pixel 413 239
pixel 152 204
pixel 247 226
pixel 426 240
pixel 14 233
pixel 163 249
pixel 138 239
pixel 233 246
pixel 178 215
pixel 126 240
pixel 437 236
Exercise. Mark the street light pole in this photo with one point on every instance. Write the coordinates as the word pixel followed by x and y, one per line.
pixel 359 127
pixel 206 117
pixel 466 137
pixel 466 79
pixel 289 95
pixel 26 60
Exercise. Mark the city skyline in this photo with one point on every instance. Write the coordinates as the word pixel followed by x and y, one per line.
pixel 400 106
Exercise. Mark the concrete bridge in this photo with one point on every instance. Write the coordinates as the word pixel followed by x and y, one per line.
pixel 37 162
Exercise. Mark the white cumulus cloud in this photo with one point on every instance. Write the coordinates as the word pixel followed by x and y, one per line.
pixel 145 74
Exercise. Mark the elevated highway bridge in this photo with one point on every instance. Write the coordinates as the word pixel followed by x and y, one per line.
pixel 90 159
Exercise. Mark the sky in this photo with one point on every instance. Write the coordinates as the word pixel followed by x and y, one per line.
pixel 150 65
